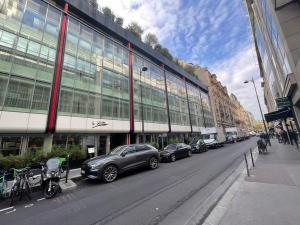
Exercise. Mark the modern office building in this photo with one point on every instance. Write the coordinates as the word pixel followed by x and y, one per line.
pixel 276 31
pixel 71 76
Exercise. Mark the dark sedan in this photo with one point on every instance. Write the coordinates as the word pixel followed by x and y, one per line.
pixel 121 159
pixel 198 146
pixel 175 151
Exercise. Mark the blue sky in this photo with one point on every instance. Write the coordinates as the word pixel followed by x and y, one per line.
pixel 211 33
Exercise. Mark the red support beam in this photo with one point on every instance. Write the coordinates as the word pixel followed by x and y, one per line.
pixel 57 74
pixel 131 103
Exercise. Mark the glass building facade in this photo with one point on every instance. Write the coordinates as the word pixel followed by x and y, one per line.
pixel 28 42
pixel 94 83
pixel 274 36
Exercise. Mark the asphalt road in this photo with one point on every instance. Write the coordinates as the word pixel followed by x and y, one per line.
pixel 145 197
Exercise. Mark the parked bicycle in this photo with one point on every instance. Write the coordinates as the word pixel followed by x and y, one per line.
pixel 21 184
pixel 3 184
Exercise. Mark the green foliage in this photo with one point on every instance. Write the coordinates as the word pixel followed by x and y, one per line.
pixel 174 141
pixel 151 39
pixel 164 51
pixel 119 20
pixel 35 157
pixel 135 29
pixel 109 13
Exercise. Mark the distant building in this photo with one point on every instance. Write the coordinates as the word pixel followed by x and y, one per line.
pixel 276 31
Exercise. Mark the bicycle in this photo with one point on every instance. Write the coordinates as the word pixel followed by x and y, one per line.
pixel 20 185
pixel 3 184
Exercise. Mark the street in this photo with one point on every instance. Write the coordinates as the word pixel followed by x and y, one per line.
pixel 142 197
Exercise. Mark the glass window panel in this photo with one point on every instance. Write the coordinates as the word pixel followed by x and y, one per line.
pixel 7 39
pixel 116 109
pixel 80 103
pixel 125 110
pixel 3 84
pixel 41 97
pixel 106 109
pixel 22 44
pixel 33 48
pixel 19 93
pixel 65 100
pixel 94 105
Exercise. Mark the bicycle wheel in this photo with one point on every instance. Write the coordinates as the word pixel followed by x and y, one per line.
pixel 13 194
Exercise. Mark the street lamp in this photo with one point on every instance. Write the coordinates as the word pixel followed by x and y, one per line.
pixel 262 116
pixel 143 69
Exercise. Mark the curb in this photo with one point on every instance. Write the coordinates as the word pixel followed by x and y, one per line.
pixel 216 214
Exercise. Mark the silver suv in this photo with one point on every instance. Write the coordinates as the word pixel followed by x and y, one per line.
pixel 121 159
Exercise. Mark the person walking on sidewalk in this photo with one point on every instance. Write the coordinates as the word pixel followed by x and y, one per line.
pixel 262 144
pixel 294 138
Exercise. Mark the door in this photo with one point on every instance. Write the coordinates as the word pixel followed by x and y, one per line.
pixel 180 150
pixel 129 158
pixel 143 154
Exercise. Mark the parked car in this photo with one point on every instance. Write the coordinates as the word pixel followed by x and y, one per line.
pixel 198 145
pixel 121 159
pixel 175 151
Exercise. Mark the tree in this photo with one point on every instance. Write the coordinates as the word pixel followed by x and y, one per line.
pixel 135 29
pixel 164 51
pixel 151 40
pixel 94 3
pixel 119 20
pixel 107 12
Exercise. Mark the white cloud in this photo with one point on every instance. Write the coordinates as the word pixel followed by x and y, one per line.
pixel 234 71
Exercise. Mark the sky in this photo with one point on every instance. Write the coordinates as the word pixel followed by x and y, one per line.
pixel 211 33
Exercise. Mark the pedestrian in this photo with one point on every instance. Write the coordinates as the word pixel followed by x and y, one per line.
pixel 294 138
pixel 284 136
pixel 262 145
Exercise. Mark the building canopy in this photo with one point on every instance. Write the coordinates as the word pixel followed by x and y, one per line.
pixel 279 114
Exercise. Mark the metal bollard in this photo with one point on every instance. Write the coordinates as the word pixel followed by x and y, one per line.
pixel 68 168
pixel 245 156
pixel 252 157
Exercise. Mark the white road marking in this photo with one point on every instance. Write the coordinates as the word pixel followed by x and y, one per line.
pixel 1 210
pixel 30 205
pixel 11 211
pixel 40 199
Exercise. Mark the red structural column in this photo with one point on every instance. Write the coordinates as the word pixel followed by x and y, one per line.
pixel 167 97
pixel 188 104
pixel 57 74
pixel 131 104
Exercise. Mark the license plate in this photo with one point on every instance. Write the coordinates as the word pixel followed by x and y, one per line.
pixel 82 172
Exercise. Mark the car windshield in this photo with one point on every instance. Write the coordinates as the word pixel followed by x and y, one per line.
pixel 172 146
pixel 118 150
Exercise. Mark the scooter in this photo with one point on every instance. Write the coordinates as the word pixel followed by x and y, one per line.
pixel 51 174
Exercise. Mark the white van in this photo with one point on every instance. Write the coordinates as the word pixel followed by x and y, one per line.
pixel 212 137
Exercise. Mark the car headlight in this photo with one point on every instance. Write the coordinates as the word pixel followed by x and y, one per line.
pixel 94 165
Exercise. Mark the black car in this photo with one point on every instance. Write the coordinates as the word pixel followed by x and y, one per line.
pixel 175 151
pixel 198 146
pixel 121 159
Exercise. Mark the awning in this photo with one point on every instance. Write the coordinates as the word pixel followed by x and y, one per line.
pixel 279 114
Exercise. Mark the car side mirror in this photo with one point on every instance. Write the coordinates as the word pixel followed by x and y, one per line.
pixel 123 154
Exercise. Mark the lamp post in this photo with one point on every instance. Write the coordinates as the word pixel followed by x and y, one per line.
pixel 261 113
pixel 143 69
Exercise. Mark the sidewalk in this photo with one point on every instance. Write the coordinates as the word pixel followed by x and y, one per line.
pixel 270 196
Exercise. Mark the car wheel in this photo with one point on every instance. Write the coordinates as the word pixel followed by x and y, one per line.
pixel 172 158
pixel 153 163
pixel 189 153
pixel 110 173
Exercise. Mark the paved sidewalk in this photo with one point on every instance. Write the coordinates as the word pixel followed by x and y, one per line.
pixel 270 196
